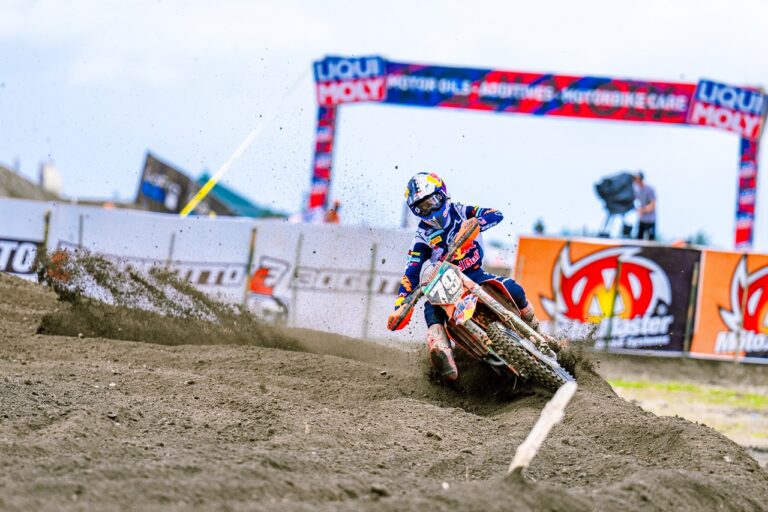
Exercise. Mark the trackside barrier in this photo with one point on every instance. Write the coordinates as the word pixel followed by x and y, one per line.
pixel 629 298
pixel 732 320
pixel 22 229
pixel 634 297
pixel 334 278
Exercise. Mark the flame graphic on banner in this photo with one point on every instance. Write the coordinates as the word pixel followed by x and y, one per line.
pixel 749 294
pixel 584 290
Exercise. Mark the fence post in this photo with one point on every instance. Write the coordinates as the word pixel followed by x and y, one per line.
pixel 80 232
pixel 615 294
pixel 556 288
pixel 369 290
pixel 43 247
pixel 292 284
pixel 740 332
pixel 687 337
pixel 171 246
pixel 248 265
pixel 46 228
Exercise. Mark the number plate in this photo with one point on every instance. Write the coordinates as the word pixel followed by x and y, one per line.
pixel 445 288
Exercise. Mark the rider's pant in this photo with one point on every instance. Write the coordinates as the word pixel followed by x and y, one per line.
pixel 434 315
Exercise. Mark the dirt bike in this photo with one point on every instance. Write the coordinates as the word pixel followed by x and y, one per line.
pixel 483 320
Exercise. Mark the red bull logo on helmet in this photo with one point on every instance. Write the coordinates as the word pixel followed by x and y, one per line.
pixel 747 315
pixel 615 283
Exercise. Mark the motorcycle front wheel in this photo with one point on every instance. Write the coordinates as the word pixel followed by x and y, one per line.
pixel 509 346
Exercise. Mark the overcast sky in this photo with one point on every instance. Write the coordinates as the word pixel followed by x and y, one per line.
pixel 94 84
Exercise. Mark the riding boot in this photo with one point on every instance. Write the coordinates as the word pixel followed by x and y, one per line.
pixel 440 353
pixel 529 317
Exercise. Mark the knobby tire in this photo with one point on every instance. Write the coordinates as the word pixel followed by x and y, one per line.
pixel 529 367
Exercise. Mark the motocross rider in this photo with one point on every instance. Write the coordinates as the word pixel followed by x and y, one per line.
pixel 441 219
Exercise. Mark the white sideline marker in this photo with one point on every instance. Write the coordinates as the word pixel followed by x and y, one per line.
pixel 551 415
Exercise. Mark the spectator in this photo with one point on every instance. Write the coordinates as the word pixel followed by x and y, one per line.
pixel 332 215
pixel 538 227
pixel 646 208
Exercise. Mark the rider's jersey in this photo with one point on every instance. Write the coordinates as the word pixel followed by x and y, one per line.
pixel 430 243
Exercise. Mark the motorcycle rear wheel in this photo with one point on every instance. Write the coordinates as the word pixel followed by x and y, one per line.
pixel 509 348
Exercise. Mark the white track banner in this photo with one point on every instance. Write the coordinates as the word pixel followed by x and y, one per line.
pixel 22 227
pixel 340 279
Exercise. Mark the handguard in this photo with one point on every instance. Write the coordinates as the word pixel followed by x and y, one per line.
pixel 400 318
pixel 402 315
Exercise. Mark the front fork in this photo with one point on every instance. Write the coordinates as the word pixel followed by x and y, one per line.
pixel 485 352
pixel 509 319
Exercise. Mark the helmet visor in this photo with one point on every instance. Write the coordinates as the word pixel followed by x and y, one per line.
pixel 428 205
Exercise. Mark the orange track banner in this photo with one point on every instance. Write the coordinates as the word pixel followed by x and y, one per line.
pixel 732 318
pixel 630 296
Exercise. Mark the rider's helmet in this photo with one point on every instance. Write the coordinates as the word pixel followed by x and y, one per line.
pixel 428 199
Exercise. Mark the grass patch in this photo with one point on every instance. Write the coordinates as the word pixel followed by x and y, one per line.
pixel 708 394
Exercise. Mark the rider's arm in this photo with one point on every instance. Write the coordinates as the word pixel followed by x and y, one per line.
pixel 417 255
pixel 486 217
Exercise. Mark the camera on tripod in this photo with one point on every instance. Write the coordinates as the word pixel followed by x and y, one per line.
pixel 618 195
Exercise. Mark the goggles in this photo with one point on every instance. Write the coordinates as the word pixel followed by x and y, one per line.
pixel 428 205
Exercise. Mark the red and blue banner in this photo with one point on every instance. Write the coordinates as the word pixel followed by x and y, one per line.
pixel 373 79
pixel 537 94
pixel 747 194
pixel 323 159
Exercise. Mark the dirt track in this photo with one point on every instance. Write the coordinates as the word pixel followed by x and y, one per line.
pixel 104 424
pixel 731 398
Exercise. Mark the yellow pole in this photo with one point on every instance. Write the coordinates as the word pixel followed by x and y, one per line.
pixel 223 169
pixel 240 149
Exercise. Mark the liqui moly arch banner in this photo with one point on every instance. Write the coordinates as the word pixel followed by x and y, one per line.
pixel 736 109
pixel 622 297
pixel 349 80
pixel 740 110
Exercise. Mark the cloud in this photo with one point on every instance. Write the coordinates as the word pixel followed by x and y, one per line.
pixel 161 41
pixel 155 42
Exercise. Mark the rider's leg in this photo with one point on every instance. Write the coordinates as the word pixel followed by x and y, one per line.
pixel 440 353
pixel 515 291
